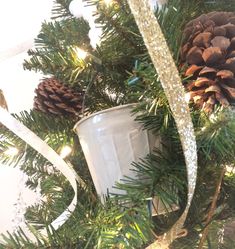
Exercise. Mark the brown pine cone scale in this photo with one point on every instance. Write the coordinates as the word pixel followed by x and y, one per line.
pixel 208 56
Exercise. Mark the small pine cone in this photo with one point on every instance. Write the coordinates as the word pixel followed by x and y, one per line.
pixel 3 102
pixel 52 97
pixel 208 54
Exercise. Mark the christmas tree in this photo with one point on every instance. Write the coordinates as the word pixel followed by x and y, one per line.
pixel 81 79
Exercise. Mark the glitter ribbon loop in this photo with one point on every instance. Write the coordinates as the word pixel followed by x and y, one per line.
pixel 171 83
pixel 40 146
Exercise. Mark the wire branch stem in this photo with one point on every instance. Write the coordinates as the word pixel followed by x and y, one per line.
pixel 212 209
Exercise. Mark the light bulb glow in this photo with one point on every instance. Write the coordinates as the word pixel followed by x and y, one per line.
pixel 230 169
pixel 11 151
pixel 81 54
pixel 108 2
pixel 66 150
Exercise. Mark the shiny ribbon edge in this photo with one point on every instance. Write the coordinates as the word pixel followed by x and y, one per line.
pixel 161 57
pixel 46 151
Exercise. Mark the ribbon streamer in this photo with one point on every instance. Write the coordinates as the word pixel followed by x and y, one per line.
pixel 40 146
pixel 171 83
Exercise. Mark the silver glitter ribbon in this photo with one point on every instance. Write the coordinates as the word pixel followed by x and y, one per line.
pixel 172 85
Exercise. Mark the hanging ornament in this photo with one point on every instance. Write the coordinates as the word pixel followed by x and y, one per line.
pixel 76 8
pixel 171 82
pixel 208 54
pixel 111 140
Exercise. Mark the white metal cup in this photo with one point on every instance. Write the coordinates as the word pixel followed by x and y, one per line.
pixel 111 140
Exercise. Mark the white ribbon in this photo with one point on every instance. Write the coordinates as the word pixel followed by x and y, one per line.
pixel 40 146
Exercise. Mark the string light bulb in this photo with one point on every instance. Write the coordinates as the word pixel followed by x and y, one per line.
pixel 108 2
pixel 81 54
pixel 11 151
pixel 65 151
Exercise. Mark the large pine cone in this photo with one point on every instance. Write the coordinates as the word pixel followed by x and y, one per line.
pixel 208 52
pixel 52 97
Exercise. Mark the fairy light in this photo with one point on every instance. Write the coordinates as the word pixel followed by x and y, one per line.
pixel 85 56
pixel 66 150
pixel 108 2
pixel 213 117
pixel 230 169
pixel 81 54
pixel 11 151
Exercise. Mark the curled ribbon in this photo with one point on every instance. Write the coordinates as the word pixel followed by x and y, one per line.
pixel 42 147
pixel 171 83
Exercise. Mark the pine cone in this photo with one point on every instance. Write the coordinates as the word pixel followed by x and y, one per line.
pixel 208 54
pixel 3 102
pixel 52 97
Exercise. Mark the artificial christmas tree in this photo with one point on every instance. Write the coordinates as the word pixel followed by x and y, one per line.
pixel 208 51
pixel 105 75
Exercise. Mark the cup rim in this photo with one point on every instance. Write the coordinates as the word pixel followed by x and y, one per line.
pixel 101 112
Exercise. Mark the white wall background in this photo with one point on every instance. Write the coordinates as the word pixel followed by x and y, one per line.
pixel 20 22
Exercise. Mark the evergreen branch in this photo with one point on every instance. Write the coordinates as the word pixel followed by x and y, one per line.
pixel 29 160
pixel 218 5
pixel 173 18
pixel 54 50
pixel 215 141
pixel 61 9
pixel 55 36
pixel 44 127
pixel 114 21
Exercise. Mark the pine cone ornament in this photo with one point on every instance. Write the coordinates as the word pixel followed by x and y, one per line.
pixel 208 54
pixel 3 102
pixel 52 97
